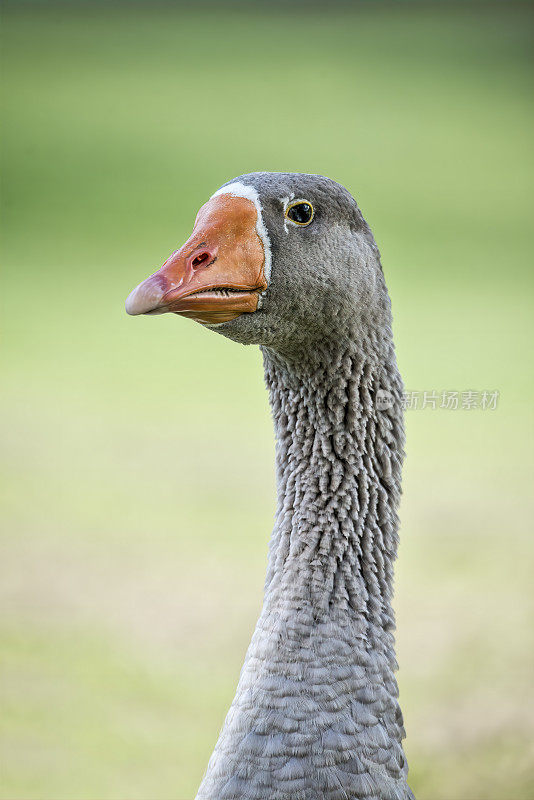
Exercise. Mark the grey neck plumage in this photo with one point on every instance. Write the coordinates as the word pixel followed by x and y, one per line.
pixel 316 712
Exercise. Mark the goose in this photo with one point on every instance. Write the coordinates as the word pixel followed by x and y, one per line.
pixel 286 261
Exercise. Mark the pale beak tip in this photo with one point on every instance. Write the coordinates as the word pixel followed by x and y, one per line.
pixel 131 306
pixel 144 299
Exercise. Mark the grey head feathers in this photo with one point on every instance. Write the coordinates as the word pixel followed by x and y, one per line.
pixel 326 278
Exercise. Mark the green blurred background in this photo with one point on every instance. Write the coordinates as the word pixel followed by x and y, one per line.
pixel 138 478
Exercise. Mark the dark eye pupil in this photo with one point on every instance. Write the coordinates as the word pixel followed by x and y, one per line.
pixel 301 213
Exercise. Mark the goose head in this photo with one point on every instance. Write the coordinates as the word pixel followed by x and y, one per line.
pixel 276 259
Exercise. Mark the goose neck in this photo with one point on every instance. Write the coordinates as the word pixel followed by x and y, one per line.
pixel 339 444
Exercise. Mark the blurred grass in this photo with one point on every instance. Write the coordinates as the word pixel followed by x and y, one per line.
pixel 138 482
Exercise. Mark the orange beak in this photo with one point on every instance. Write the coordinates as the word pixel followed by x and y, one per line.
pixel 217 274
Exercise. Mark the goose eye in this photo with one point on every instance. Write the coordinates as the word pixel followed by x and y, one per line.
pixel 301 212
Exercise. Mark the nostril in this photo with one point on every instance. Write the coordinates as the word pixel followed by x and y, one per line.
pixel 200 258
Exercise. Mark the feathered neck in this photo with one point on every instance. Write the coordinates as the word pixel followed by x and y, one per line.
pixel 338 422
pixel 316 711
